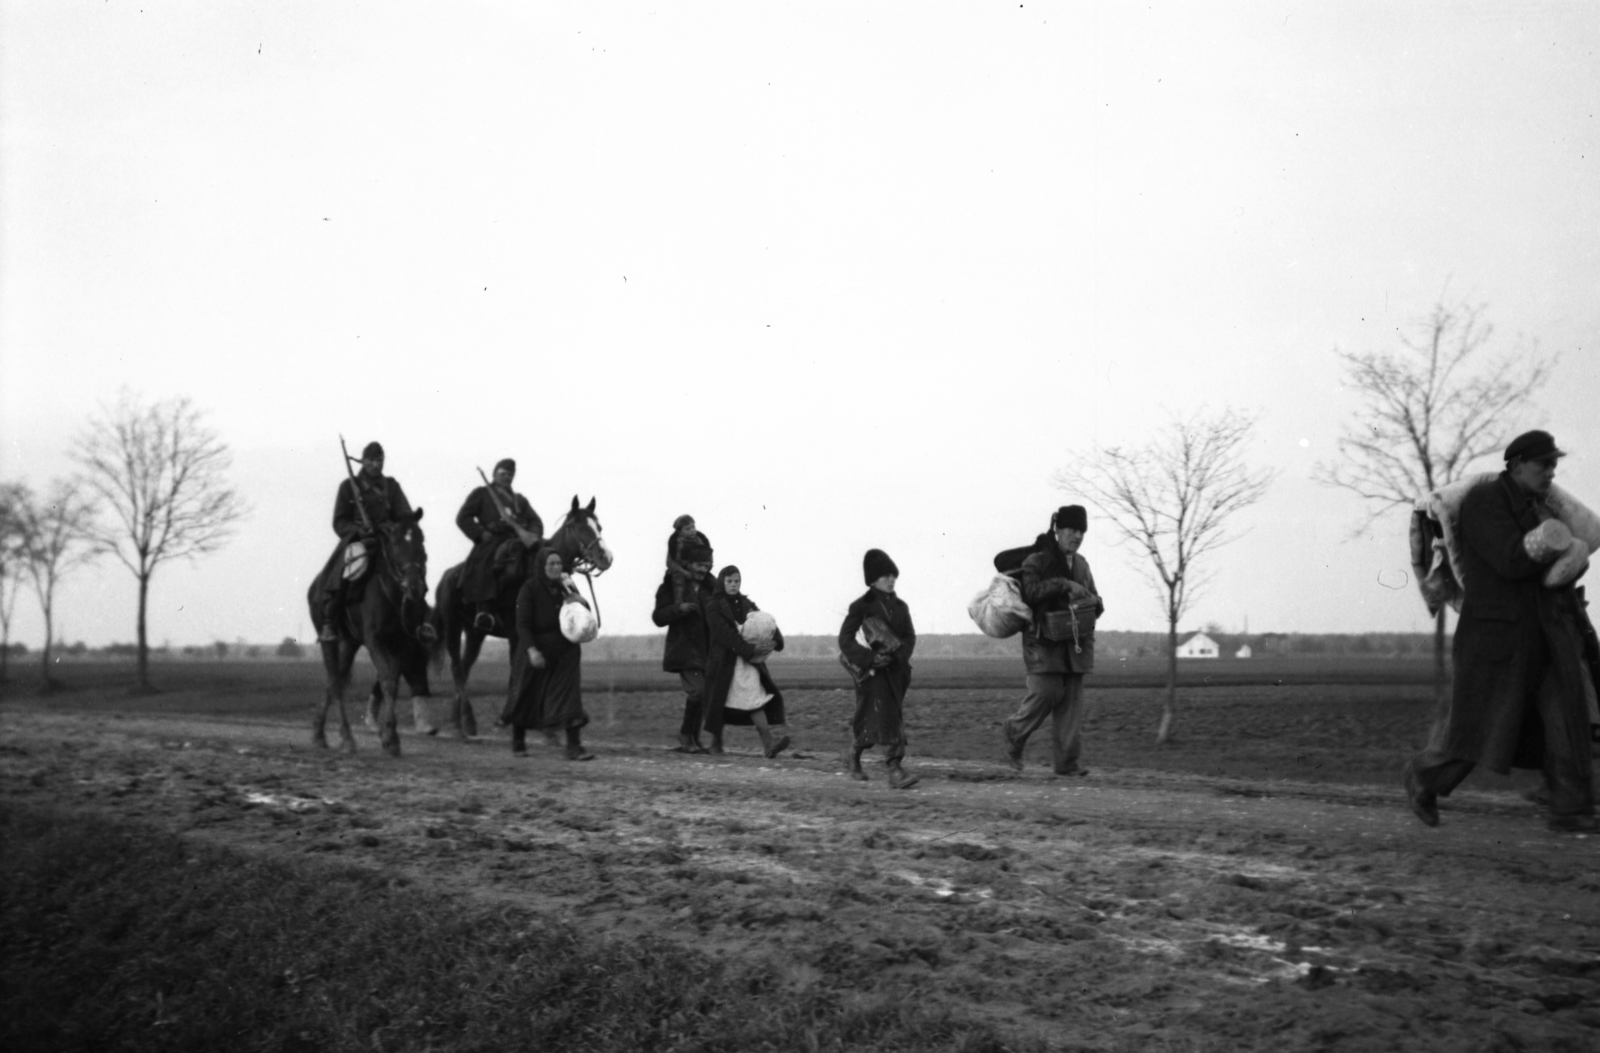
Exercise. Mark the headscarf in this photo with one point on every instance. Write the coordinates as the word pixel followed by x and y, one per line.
pixel 722 576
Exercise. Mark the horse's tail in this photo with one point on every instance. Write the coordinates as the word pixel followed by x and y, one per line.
pixel 446 595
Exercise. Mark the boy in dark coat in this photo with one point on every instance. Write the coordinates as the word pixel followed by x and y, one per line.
pixel 685 652
pixel 881 667
pixel 1053 579
pixel 1518 698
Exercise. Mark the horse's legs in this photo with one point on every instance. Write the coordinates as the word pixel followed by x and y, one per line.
pixel 389 679
pixel 343 656
pixel 466 722
pixel 319 710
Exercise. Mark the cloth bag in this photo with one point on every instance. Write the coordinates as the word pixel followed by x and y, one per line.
pixel 578 622
pixel 745 692
pixel 999 610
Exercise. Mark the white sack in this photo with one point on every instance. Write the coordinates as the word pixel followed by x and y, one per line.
pixel 759 628
pixel 999 610
pixel 1569 565
pixel 746 692
pixel 578 622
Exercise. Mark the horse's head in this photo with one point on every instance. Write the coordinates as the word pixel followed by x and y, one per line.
pixel 580 542
pixel 406 558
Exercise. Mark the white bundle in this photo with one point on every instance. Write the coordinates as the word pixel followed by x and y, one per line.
pixel 1442 583
pixel 999 610
pixel 759 628
pixel 578 622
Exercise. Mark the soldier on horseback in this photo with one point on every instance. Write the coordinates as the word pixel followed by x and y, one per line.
pixel 366 501
pixel 503 527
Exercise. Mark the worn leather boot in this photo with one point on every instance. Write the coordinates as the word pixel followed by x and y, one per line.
pixel 776 742
pixel 519 742
pixel 716 744
pixel 900 779
pixel 854 762
pixel 575 750
pixel 332 611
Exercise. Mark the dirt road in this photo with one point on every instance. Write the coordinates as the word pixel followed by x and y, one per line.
pixel 1133 907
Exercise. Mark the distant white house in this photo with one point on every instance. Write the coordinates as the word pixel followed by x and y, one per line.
pixel 1199 646
pixel 1243 651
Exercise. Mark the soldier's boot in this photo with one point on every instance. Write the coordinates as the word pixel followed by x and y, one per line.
pixel 332 611
pixel 483 618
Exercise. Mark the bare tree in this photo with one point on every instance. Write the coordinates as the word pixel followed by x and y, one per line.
pixel 1172 499
pixel 1431 408
pixel 15 500
pixel 59 532
pixel 161 471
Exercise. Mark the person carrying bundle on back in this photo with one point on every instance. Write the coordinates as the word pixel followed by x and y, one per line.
pixel 1058 648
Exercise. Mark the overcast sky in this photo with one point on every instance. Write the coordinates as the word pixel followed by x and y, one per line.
pixel 827 276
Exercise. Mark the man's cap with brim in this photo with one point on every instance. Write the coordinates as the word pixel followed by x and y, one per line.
pixel 1533 445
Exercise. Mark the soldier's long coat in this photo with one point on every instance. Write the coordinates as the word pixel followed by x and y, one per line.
pixel 1512 630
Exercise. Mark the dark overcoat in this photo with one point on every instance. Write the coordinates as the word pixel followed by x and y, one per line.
pixel 1044 588
pixel 480 517
pixel 687 639
pixel 879 718
pixel 1512 631
pixel 551 697
pixel 381 497
pixel 724 615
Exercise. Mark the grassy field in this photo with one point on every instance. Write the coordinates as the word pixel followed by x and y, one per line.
pixel 1352 720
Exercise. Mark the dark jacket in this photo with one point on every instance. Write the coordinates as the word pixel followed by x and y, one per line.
pixel 480 517
pixel 1511 630
pixel 724 615
pixel 897 616
pixel 686 630
pixel 1045 587
pixel 551 697
pixel 382 497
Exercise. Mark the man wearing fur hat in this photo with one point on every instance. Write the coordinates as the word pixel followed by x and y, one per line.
pixel 1520 693
pixel 497 542
pixel 1058 648
pixel 683 615
pixel 383 501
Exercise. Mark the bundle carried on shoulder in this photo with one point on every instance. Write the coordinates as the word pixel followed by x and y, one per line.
pixel 999 610
pixel 1436 540
pixel 578 622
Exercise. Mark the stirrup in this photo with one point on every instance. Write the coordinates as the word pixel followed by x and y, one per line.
pixel 485 621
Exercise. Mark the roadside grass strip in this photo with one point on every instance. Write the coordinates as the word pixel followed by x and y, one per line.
pixel 116 936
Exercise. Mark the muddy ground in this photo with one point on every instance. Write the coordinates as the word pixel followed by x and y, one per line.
pixel 1146 906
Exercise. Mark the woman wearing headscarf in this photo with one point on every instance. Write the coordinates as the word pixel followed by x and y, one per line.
pixel 880 663
pixel 726 613
pixel 546 666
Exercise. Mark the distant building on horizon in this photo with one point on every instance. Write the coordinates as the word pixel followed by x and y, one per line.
pixel 1199 646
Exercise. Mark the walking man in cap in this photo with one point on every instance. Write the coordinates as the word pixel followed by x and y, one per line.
pixel 1519 696
pixel 688 640
pixel 1058 648
pixel 496 540
pixel 383 501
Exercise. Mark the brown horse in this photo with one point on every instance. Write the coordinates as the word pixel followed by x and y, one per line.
pixel 578 540
pixel 389 619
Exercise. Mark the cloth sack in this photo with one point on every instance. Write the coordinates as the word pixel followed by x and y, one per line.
pixel 745 692
pixel 759 628
pixel 578 622
pixel 999 610
pixel 355 561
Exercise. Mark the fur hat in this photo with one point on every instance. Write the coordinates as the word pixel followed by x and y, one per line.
pixel 371 450
pixel 1533 445
pixel 507 463
pixel 1071 517
pixel 694 551
pixel 876 564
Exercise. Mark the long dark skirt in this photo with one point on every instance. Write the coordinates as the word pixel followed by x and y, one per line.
pixel 552 697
